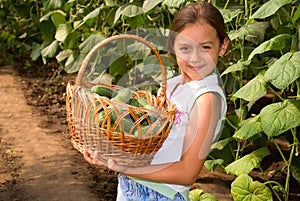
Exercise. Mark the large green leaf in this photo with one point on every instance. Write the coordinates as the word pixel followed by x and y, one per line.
pixel 254 89
pixel 276 43
pixel 92 14
pixel 269 8
pixel 239 66
pixel 229 15
pixel 200 195
pixel 244 189
pixel 279 117
pixel 58 17
pixel 73 62
pixel 150 4
pixel 129 10
pixel 62 32
pixel 50 50
pixel 258 31
pixel 295 168
pixel 62 55
pixel 71 41
pixel 240 33
pixel 221 144
pixel 90 42
pixel 248 128
pixel 285 70
pixel 247 163
pixel 296 14
pixel 213 164
pixel 174 3
pixel 137 51
pixel 35 51
pixel 52 4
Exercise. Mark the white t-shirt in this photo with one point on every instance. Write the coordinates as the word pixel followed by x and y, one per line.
pixel 184 96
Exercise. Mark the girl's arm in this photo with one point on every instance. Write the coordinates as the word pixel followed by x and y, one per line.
pixel 198 137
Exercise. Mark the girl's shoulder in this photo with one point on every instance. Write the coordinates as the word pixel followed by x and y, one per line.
pixel 174 80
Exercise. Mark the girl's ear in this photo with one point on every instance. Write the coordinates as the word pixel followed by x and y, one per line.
pixel 223 47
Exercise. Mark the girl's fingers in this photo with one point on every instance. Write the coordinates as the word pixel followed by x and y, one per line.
pixel 87 157
pixel 113 165
pixel 92 160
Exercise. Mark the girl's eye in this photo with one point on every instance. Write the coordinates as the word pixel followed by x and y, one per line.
pixel 206 47
pixel 184 49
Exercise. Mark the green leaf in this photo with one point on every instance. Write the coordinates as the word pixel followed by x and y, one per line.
pixel 92 14
pixel 150 4
pixel 279 117
pixel 248 128
pixel 47 29
pixel 73 62
pixel 137 51
pixel 36 51
pixel 50 50
pixel 62 55
pixel 254 89
pixel 71 40
pixel 221 144
pixel 285 70
pixel 244 189
pixel 269 8
pixel 213 164
pixel 258 31
pixel 247 163
pixel 62 32
pixel 229 15
pixel 276 43
pixel 240 33
pixel 129 10
pixel 58 17
pixel 110 3
pixel 239 66
pixel 119 66
pixel 295 168
pixel 208 197
pixel 296 14
pixel 90 42
pixel 173 3
pixel 52 4
pixel 195 194
pixel 200 195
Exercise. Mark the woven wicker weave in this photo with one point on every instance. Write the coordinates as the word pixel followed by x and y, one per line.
pixel 108 137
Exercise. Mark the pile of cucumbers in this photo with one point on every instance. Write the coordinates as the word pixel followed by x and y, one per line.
pixel 139 124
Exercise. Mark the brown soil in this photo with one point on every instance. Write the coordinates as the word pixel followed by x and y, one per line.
pixel 37 160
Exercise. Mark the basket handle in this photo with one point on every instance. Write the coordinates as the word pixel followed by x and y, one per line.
pixel 124 36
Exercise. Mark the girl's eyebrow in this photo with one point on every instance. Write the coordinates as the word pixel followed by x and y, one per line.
pixel 185 43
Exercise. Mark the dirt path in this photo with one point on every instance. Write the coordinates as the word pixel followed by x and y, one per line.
pixel 35 164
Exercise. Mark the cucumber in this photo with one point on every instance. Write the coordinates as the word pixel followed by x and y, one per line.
pixel 144 130
pixel 102 91
pixel 123 95
pixel 134 102
pixel 145 104
pixel 128 123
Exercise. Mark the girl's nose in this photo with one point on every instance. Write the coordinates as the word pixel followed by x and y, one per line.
pixel 196 55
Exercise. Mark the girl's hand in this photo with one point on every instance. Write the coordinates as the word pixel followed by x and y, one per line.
pixel 111 164
pixel 92 160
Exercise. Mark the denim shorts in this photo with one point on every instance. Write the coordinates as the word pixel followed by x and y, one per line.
pixel 130 190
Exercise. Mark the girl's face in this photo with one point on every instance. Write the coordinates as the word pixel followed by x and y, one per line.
pixel 197 48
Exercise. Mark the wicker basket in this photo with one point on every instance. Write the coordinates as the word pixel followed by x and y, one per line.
pixel 109 138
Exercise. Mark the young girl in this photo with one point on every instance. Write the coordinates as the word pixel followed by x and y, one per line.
pixel 198 37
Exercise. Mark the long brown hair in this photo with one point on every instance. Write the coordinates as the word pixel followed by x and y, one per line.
pixel 196 12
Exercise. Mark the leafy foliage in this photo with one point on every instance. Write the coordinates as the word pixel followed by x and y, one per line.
pixel 261 78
